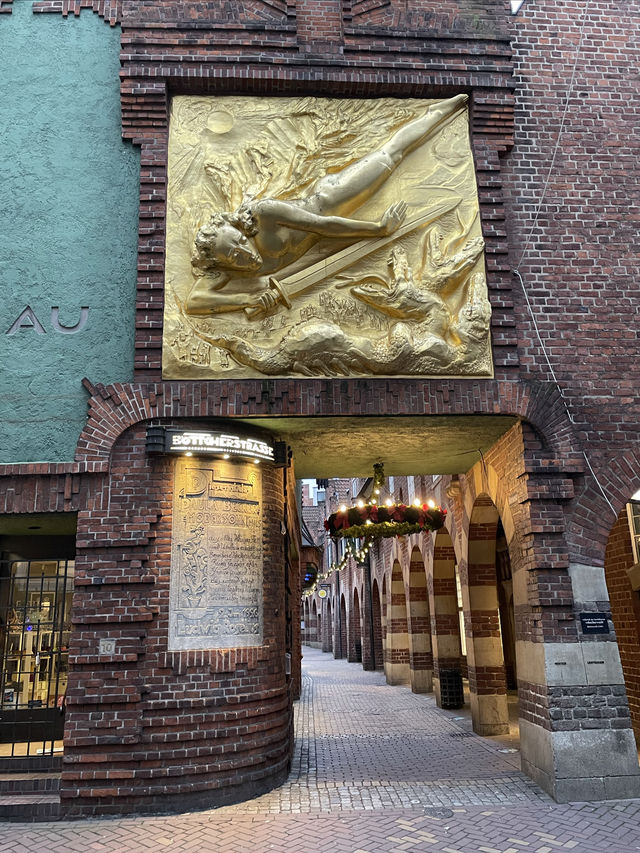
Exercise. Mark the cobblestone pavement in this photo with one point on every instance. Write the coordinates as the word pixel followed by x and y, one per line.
pixel 377 770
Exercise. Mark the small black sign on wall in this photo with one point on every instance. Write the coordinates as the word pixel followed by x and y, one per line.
pixel 594 623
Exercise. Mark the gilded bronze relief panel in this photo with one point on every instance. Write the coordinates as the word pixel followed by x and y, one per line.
pixel 323 237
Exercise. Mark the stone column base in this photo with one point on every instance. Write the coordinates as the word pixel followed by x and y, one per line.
pixel 397 673
pixel 422 681
pixel 598 764
pixel 489 713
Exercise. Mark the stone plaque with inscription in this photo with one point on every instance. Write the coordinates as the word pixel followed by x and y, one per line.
pixel 216 556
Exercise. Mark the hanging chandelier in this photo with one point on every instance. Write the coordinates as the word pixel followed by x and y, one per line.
pixel 382 518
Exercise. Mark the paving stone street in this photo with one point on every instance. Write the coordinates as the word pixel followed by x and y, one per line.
pixel 377 769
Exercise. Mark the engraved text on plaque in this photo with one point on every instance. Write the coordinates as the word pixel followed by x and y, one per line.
pixel 216 556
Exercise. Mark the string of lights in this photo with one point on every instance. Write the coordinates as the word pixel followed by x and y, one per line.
pixel 350 551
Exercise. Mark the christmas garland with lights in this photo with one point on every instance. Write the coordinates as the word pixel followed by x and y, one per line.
pixel 375 520
pixel 379 521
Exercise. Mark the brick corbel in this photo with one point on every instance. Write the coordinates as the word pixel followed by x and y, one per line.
pixel 109 10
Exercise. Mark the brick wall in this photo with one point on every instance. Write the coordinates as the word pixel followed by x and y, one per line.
pixel 148 729
pixel 572 201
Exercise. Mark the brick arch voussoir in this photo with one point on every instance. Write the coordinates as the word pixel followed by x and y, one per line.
pixel 592 518
pixel 540 404
pixel 118 406
pixel 112 410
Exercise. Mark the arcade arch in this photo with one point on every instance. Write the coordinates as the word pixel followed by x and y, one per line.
pixel 377 626
pixel 622 576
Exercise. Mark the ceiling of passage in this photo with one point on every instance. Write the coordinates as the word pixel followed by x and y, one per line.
pixel 348 446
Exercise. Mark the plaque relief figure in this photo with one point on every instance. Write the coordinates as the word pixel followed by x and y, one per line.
pixel 266 235
pixel 323 237
pixel 422 330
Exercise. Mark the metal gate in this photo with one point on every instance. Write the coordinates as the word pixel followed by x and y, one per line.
pixel 35 627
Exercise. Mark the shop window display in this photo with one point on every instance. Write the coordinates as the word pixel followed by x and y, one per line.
pixel 35 614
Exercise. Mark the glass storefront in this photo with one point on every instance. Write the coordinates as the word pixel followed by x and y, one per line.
pixel 35 626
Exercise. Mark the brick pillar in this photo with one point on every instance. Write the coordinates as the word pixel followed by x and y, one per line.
pixel 354 651
pixel 487 681
pixel 339 625
pixel 445 622
pixel 327 626
pixel 384 604
pixel 319 24
pixel 377 627
pixel 420 654
pixel 343 629
pixel 312 629
pixel 396 665
pixel 371 635
pixel 148 729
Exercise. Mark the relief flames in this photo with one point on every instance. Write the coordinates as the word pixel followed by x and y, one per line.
pixel 316 237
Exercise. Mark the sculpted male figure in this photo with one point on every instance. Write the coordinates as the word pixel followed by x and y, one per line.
pixel 235 253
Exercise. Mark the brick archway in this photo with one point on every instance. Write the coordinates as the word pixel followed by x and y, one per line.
pixel 115 408
pixel 592 518
pixel 485 660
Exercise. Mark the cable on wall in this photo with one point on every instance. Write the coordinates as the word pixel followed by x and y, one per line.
pixel 529 237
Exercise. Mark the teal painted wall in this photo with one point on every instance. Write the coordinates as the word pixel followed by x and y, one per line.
pixel 68 226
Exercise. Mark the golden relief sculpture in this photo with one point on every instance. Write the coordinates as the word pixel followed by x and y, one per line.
pixel 322 237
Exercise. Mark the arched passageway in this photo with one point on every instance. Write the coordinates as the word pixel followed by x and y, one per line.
pixel 504 580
